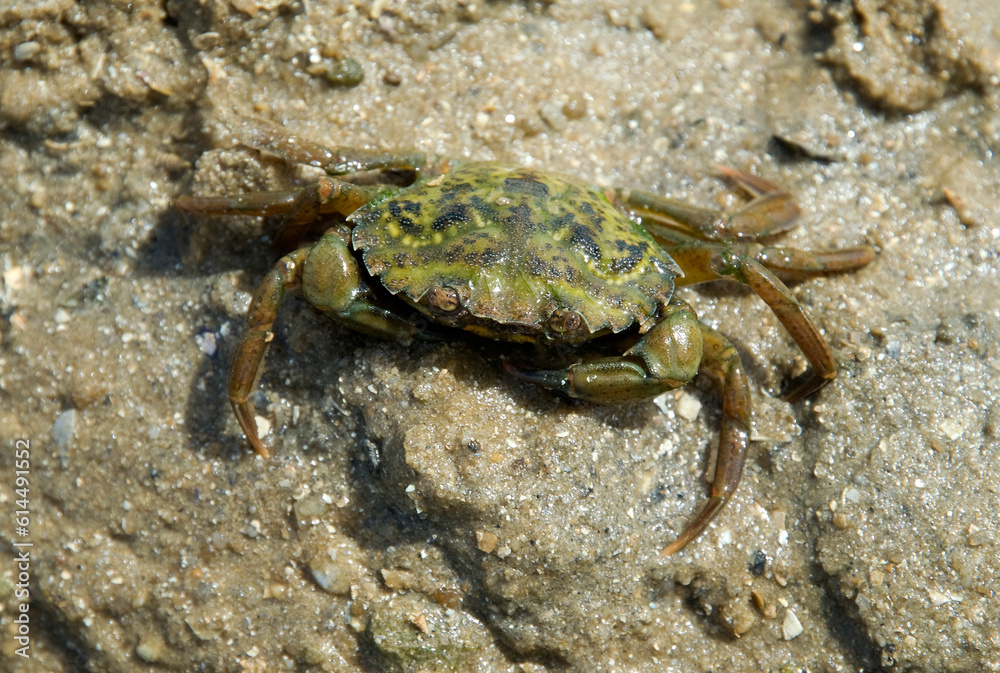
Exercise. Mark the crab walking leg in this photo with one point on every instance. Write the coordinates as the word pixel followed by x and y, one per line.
pixel 721 363
pixel 772 211
pixel 788 264
pixel 750 264
pixel 274 139
pixel 667 357
pixel 326 195
pixel 716 263
pixel 262 204
pixel 302 206
pixel 248 361
pixel 331 280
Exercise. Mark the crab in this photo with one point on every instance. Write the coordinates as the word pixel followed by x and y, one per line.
pixel 525 255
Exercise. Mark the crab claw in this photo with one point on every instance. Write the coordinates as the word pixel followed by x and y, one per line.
pixel 557 379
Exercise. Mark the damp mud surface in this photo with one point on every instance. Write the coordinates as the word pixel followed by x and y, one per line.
pixel 423 510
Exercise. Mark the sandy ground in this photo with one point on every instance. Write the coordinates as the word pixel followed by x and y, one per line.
pixel 425 511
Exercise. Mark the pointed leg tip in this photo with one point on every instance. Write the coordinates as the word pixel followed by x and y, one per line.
pixel 687 536
pixel 742 177
pixel 672 548
pixel 248 424
pixel 865 254
pixel 698 525
pixel 260 427
pixel 260 448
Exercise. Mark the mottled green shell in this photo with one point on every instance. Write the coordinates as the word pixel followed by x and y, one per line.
pixel 519 249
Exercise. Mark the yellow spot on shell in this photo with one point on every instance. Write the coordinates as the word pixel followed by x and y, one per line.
pixel 438 237
pixel 407 240
pixel 393 230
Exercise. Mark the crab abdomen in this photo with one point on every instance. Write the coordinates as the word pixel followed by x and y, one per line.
pixel 519 249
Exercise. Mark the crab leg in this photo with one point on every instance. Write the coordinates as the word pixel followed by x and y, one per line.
pixel 302 206
pixel 705 262
pixel 667 357
pixel 263 204
pixel 274 139
pixel 248 362
pixel 709 246
pixel 326 195
pixel 331 280
pixel 722 364
pixel 750 264
pixel 772 211
pixel 789 264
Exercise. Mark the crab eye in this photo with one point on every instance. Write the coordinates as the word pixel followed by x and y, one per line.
pixel 443 299
pixel 565 321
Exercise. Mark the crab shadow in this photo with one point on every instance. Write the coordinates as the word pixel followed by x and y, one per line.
pixel 216 323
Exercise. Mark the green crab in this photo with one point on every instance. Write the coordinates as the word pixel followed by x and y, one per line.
pixel 524 255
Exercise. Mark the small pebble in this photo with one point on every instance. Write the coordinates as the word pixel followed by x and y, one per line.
pixel 332 577
pixel 62 432
pixel 26 50
pixel 347 73
pixel 951 428
pixel 938 599
pixel 309 508
pixel 207 343
pixel 206 40
pixel 977 537
pixel 419 621
pixel 17 277
pixel 150 648
pixel 129 524
pixel 553 115
pixel 486 541
pixel 252 531
pixel 688 406
pixel 894 349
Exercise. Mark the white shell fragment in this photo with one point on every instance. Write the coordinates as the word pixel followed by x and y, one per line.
pixel 791 627
pixel 263 426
